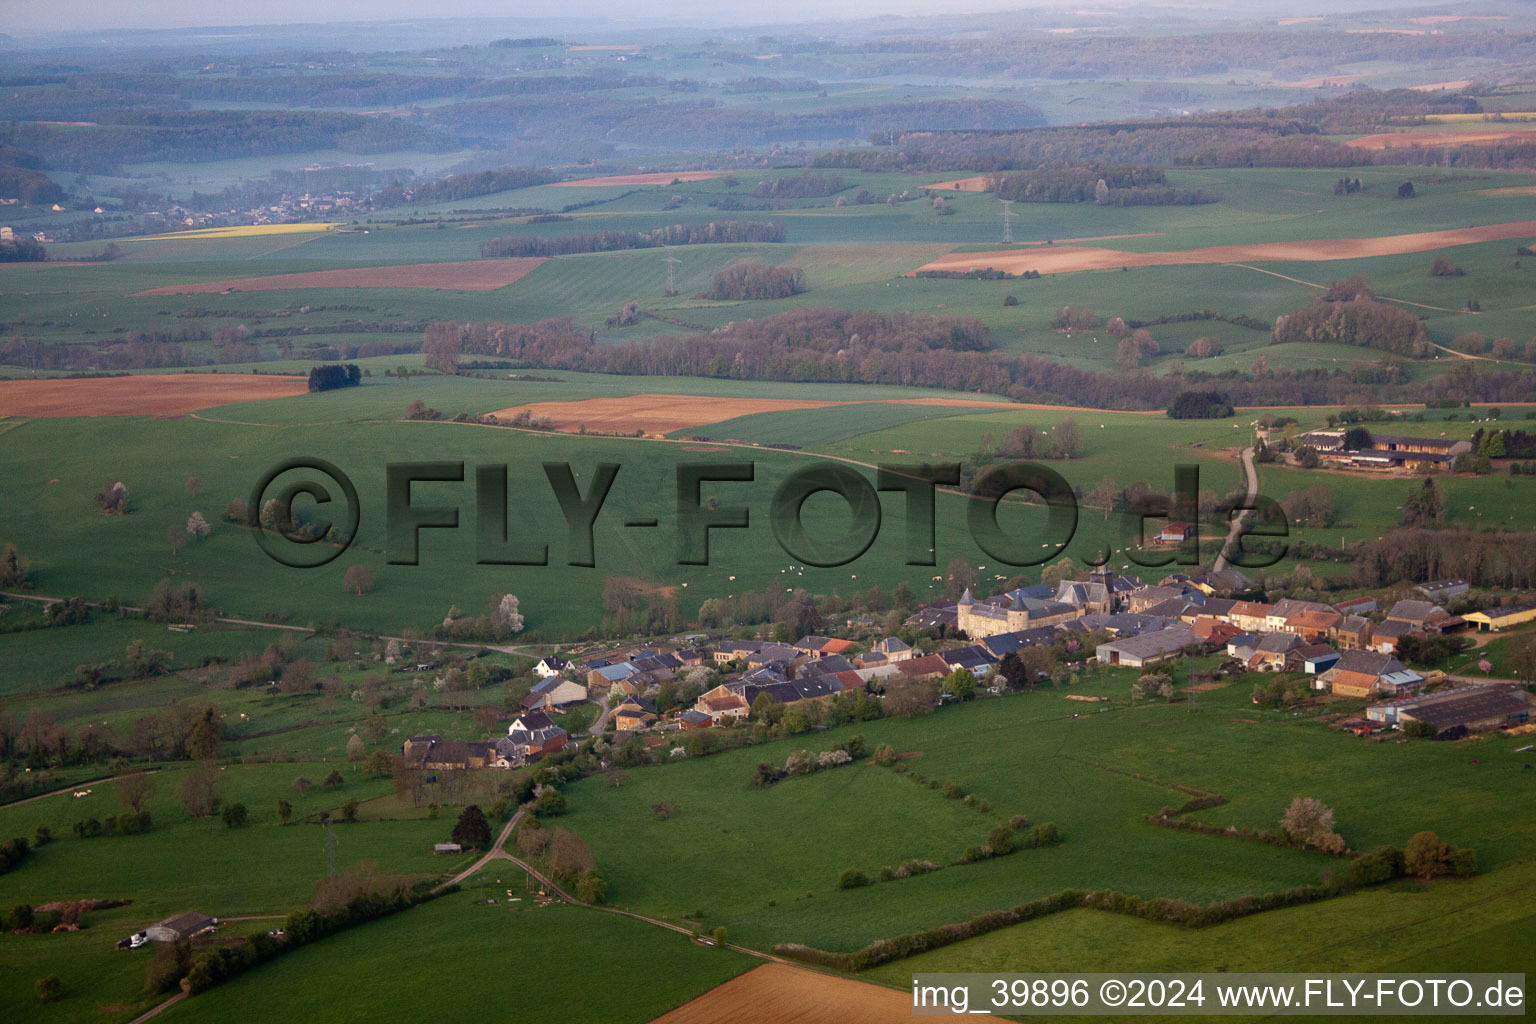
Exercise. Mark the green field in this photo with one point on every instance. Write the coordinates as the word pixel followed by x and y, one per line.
pixel 1094 774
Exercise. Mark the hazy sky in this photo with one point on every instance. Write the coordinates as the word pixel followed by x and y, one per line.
pixel 28 17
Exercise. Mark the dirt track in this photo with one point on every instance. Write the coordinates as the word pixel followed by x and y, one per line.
pixel 1409 140
pixel 660 178
pixel 169 394
pixel 465 276
pixel 1066 258
pixel 781 994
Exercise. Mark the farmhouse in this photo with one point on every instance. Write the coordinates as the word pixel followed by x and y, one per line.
pixel 1368 674
pixel 1387 451
pixel 633 715
pixel 1175 532
pixel 554 692
pixel 1418 614
pixel 1495 619
pixel 434 753
pixel 533 734
pixel 929 666
pixel 1146 597
pixel 1222 581
pixel 1146 648
pixel 1272 650
pixel 180 926
pixel 722 706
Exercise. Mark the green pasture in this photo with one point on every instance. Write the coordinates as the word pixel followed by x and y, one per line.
pixel 1094 772
pixel 1479 924
pixel 458 956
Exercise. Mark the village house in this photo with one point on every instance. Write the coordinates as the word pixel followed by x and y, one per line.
pixel 550 666
pixel 1314 625
pixel 1353 633
pixel 1249 616
pixel 633 714
pixel 1281 612
pixel 1270 653
pixel 534 734
pixel 894 648
pixel 1385 635
pixel 723 706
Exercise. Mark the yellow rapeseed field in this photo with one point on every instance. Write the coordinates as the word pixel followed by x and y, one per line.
pixel 1503 115
pixel 244 231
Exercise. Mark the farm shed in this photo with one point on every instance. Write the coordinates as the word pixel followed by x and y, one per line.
pixel 1147 648
pixel 180 926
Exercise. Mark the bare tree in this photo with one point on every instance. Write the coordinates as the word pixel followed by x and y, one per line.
pixel 194 486
pixel 135 790
pixel 908 698
pixel 358 580
pixel 199 789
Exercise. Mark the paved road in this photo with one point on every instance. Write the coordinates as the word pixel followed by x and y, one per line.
pixel 1253 491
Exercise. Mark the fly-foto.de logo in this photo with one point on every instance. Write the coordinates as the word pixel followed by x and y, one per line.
pixel 312 532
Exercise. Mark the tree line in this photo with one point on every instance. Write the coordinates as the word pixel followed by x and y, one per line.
pixel 949 353
pixel 609 241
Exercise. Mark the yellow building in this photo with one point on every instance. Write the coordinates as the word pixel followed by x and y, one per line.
pixel 1495 619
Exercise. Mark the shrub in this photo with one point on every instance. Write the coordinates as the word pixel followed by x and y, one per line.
pixel 590 887
pixel 551 803
pixel 852 878
pixel 1001 840
pixel 49 989
pixel 234 815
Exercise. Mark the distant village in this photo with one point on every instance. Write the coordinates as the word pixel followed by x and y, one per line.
pixel 1345 650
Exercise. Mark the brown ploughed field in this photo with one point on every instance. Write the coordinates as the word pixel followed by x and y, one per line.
pixel 780 994
pixel 463 276
pixel 170 394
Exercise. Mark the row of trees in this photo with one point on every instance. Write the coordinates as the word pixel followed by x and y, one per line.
pixel 714 232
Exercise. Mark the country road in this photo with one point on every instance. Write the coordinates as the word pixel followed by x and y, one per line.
pixel 1253 492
